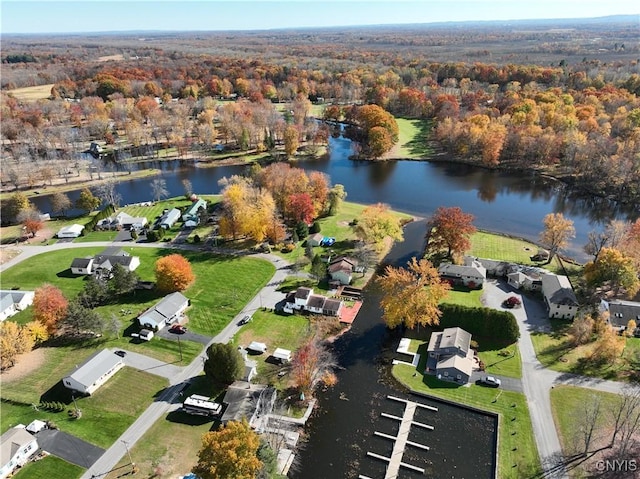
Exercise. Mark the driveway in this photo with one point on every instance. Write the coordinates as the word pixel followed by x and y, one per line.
pixel 68 447
pixel 507 383
pixel 151 365
pixel 187 336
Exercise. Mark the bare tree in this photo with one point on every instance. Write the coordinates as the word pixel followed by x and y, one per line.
pixel 625 419
pixel 588 420
pixel 159 189
pixel 108 194
pixel 610 237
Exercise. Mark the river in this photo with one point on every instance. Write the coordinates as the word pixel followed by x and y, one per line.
pixel 512 203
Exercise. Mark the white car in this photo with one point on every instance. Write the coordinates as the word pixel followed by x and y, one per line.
pixel 491 382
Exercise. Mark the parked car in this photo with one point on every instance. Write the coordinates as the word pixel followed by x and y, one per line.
pixel 511 302
pixel 121 353
pixel 177 329
pixel 490 381
pixel 246 319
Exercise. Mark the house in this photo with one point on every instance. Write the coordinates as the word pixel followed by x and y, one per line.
pixel 303 299
pixel 166 311
pixel 254 402
pixel 82 265
pixel 497 268
pixel 108 258
pixel 621 312
pixel 16 447
pixel 315 240
pixel 471 274
pixel 341 269
pixel 129 222
pixel 559 296
pixel 169 218
pixel 528 281
pixel 72 231
pixel 94 372
pixel 192 212
pixel 14 301
pixel 449 355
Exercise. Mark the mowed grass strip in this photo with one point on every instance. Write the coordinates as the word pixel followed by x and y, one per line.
pixel 50 467
pixel 412 139
pixel 502 360
pixel 503 248
pixel 517 451
pixel 105 415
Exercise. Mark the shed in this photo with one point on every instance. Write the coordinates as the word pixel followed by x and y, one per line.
pixel 315 240
pixel 283 355
pixel 257 347
pixel 71 231
pixel 36 426
pixel 94 372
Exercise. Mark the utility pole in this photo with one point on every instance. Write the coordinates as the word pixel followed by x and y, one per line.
pixel 126 446
pixel 180 347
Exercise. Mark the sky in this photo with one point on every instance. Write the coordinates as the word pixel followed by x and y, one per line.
pixel 28 16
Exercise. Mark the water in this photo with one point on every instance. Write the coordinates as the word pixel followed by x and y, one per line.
pixel 341 431
pixel 512 203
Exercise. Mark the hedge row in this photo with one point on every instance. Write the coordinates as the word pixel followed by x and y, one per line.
pixel 483 322
pixel 105 213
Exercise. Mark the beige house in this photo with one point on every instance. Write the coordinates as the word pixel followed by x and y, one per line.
pixel 559 296
pixel 449 355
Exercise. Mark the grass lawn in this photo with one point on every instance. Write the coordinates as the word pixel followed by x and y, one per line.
pixel 464 297
pixel 412 140
pixel 496 363
pixel 499 247
pixel 276 331
pixel 517 451
pixel 105 415
pixel 568 407
pixel 97 236
pixel 50 467
pixel 555 352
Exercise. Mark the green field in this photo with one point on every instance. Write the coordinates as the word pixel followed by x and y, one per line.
pixel 517 451
pixel 222 288
pixel 105 415
pixel 503 248
pixel 497 361
pixel 412 140
pixel 464 297
pixel 50 467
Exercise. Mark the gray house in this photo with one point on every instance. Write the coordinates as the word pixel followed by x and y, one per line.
pixel 450 356
pixel 621 312
pixel 471 274
pixel 166 311
pixel 559 297
pixel 169 218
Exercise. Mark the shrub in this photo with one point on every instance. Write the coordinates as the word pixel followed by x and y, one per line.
pixel 196 239
pixel 288 248
pixel 302 229
pixel 483 322
pixel 315 228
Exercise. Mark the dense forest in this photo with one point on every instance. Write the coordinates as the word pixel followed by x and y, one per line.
pixel 560 97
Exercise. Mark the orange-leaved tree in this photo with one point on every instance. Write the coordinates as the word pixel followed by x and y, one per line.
pixel 557 232
pixel 410 296
pixel 450 229
pixel 49 306
pixel 173 273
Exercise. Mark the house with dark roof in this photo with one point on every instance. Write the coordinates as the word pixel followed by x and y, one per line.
pixel 621 312
pixel 82 265
pixel 471 274
pixel 103 262
pixel 253 402
pixel 13 301
pixel 168 310
pixel 341 269
pixel 528 281
pixel 94 372
pixel 559 297
pixel 449 355
pixel 16 447
pixel 303 299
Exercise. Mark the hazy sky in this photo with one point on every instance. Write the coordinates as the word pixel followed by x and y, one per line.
pixel 26 16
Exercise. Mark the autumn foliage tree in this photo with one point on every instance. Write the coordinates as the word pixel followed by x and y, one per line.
pixel 230 452
pixel 32 226
pixel 173 273
pixel 86 200
pixel 311 363
pixel 299 208
pixel 377 223
pixel 450 229
pixel 410 296
pixel 614 269
pixel 49 306
pixel 557 232
pixel 14 340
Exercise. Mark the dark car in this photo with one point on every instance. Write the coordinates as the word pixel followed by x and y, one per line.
pixel 512 302
pixel 177 329
pixel 490 381
pixel 121 353
pixel 244 320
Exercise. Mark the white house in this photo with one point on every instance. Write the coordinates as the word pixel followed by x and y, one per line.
pixel 303 299
pixel 471 274
pixel 82 266
pixel 14 301
pixel 166 311
pixel 16 447
pixel 527 281
pixel 94 372
pixel 559 296
pixel 127 221
pixel 169 218
pixel 72 231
